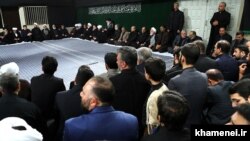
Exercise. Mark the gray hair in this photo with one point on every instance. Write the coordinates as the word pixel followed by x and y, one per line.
pixel 144 53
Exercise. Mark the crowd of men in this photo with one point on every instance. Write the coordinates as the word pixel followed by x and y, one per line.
pixel 138 98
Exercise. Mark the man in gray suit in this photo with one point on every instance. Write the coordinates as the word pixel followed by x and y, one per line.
pixel 191 83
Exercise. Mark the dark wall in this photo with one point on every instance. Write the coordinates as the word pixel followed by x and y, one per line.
pixel 152 14
pixel 102 2
pixel 62 15
pixel 35 2
pixel 245 22
pixel 59 11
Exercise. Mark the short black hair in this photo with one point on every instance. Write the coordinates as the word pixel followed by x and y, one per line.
pixel 243 48
pixel 110 60
pixel 9 83
pixel 224 46
pixel 155 67
pixel 83 75
pixel 244 110
pixel 173 109
pixel 242 87
pixel 240 33
pixel 49 65
pixel 214 74
pixel 129 55
pixel 103 89
pixel 191 52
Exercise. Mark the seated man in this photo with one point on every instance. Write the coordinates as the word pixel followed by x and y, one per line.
pixel 193 37
pixel 142 38
pixel 239 40
pixel 132 38
pixel 162 41
pixel 180 40
pixel 150 43
pixel 103 122
pixel 123 37
pixel 173 111
pixel 26 34
pixel 223 35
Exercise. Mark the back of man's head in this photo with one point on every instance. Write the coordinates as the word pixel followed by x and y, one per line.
pixel 155 68
pixel 173 110
pixel 215 74
pixel 224 46
pixel 49 65
pixel 191 52
pixel 128 55
pixel 83 75
pixel 143 54
pixel 201 45
pixel 110 60
pixel 9 83
pixel 241 87
pixel 103 89
pixel 244 111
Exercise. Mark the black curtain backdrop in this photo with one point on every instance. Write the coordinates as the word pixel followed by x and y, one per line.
pixel 245 22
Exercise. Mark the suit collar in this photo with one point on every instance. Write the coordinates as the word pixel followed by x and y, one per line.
pixel 133 70
pixel 102 109
pixel 191 69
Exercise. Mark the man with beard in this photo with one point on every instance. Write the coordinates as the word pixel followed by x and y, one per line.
pixel 103 122
pixel 219 19
pixel 37 33
pixel 239 40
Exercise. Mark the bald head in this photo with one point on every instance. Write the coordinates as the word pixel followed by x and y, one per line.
pixel 215 75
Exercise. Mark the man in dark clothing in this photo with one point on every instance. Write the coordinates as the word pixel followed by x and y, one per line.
pixel 239 40
pixel 192 36
pixel 16 35
pixel 219 19
pixel 26 34
pixel 218 107
pixel 64 33
pixel 72 98
pixel 13 106
pixel 54 33
pixel 162 41
pixel 223 35
pixel 36 33
pixel 176 22
pixel 225 63
pixel 191 83
pixel 132 38
pixel 204 63
pixel 116 35
pixel 45 86
pixel 142 38
pixel 131 87
pixel 46 32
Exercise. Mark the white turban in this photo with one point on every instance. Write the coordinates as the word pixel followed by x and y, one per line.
pixel 9 68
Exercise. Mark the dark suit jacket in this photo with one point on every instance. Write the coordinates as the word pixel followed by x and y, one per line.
pixel 68 105
pixel 13 106
pixel 226 37
pixel 163 134
pixel 43 92
pixel 204 63
pixel 192 84
pixel 218 107
pixel 131 92
pixel 25 91
pixel 102 123
pixel 229 67
pixel 175 70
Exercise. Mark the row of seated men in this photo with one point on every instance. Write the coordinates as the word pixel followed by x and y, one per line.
pixel 158 41
pixel 36 34
pixel 205 87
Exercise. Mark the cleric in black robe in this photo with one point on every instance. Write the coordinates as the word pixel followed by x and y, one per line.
pixel 219 19
pixel 36 33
